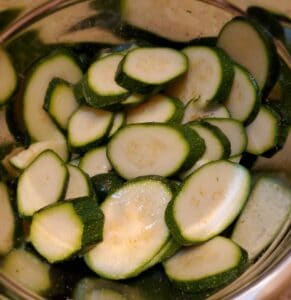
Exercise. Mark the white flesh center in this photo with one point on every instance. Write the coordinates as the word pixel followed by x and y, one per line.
pixel 6 221
pixel 197 262
pixel 95 162
pixel 57 232
pixel 39 124
pixel 203 77
pixel 148 150
pixel 158 108
pixel 134 229
pixel 78 185
pixel 242 97
pixel 262 132
pixel 63 104
pixel 7 75
pixel 265 212
pixel 211 198
pixel 41 183
pixel 244 45
pixel 87 125
pixel 25 157
pixel 154 65
pixel 234 131
pixel 101 76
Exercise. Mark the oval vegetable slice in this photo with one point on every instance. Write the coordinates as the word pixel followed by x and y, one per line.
pixel 153 149
pixel 208 201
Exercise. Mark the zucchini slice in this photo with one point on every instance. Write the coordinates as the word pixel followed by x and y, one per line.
pixel 118 122
pixel 7 139
pixel 8 76
pixel 207 266
pixel 43 182
pixel 38 123
pixel 7 221
pixel 28 270
pixel 217 146
pixel 244 101
pixel 263 132
pixel 209 77
pixel 133 100
pixel 22 159
pixel 195 111
pixel 153 149
pixel 104 184
pixel 99 86
pixel 95 162
pixel 79 184
pixel 134 228
pixel 60 102
pixel 208 201
pixel 159 108
pixel 250 45
pixel 234 131
pixel 81 224
pixel 146 70
pixel 88 127
pixel 268 208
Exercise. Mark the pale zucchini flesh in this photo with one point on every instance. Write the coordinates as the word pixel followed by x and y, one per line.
pixel 118 121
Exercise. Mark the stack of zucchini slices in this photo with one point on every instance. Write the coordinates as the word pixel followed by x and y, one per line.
pixel 136 162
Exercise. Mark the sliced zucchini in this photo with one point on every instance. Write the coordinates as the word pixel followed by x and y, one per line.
pixel 145 70
pixel 7 221
pixel 235 159
pixel 134 228
pixel 39 125
pixel 118 122
pixel 99 86
pixel 106 183
pixel 209 77
pixel 81 224
pixel 7 171
pixel 244 101
pixel 8 77
pixel 263 132
pixel 250 45
pixel 95 162
pixel 79 183
pixel 234 131
pixel 221 189
pixel 60 102
pixel 268 208
pixel 22 159
pixel 88 127
pixel 153 149
pixel 217 146
pixel 133 100
pixel 195 110
pixel 158 108
pixel 7 139
pixel 28 270
pixel 208 266
pixel 43 182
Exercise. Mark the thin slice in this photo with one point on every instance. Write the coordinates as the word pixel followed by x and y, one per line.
pixel 243 102
pixel 145 70
pixel 209 77
pixel 42 183
pixel 153 149
pixel 133 100
pixel 79 183
pixel 95 162
pixel 39 125
pixel 208 201
pixel 62 230
pixel 87 128
pixel 60 102
pixel 159 108
pixel 134 228
pixel 22 159
pixel 268 208
pixel 118 122
pixel 208 266
pixel 234 131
